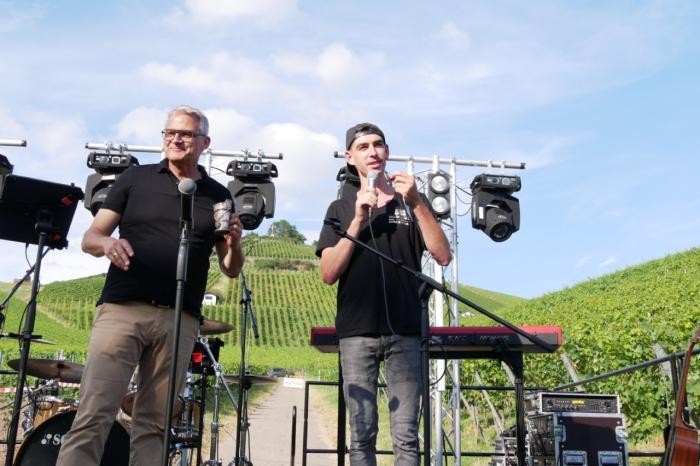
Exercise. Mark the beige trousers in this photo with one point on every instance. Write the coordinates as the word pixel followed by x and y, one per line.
pixel 123 336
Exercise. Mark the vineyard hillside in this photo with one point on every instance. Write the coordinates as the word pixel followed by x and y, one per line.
pixel 616 321
pixel 288 298
pixel 608 323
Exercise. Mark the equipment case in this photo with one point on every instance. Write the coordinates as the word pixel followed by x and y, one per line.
pixel 577 439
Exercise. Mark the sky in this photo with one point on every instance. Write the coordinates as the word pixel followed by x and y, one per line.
pixel 599 100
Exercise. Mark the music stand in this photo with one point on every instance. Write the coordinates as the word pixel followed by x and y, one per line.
pixel 26 202
pixel 37 212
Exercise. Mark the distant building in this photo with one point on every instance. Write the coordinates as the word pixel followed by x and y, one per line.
pixel 210 299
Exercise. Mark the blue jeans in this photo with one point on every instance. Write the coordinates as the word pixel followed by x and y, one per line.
pixel 359 359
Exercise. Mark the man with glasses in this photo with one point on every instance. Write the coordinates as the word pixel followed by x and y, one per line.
pixel 133 325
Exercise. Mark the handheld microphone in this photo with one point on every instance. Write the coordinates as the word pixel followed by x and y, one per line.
pixel 372 183
pixel 187 188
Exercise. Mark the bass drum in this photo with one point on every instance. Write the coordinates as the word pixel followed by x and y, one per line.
pixel 41 447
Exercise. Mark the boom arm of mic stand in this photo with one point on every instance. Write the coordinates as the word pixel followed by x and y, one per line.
pixel 434 284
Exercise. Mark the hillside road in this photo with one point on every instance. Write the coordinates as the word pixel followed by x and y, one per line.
pixel 271 430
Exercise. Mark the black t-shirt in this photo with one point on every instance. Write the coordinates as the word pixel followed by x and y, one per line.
pixel 360 300
pixel 149 203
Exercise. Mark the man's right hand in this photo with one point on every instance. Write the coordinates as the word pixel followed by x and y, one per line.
pixel 119 252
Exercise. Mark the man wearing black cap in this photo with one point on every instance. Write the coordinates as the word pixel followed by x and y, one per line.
pixel 378 315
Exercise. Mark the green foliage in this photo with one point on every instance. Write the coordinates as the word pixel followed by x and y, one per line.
pixel 278 248
pixel 283 229
pixel 608 323
pixel 612 322
pixel 489 300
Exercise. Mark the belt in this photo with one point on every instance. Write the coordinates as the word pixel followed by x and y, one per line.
pixel 155 303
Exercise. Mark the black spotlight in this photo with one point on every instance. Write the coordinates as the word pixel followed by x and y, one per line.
pixel 108 168
pixel 253 191
pixel 5 169
pixel 439 194
pixel 494 210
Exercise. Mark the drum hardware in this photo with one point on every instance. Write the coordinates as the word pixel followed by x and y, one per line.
pixel 34 338
pixel 64 371
pixel 42 398
pixel 219 381
pixel 187 429
pixel 186 426
pixel 214 327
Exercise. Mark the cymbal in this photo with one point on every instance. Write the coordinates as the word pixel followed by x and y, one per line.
pixel 214 327
pixel 65 371
pixel 251 379
pixel 34 338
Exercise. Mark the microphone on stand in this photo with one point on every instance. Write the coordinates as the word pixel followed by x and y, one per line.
pixel 372 183
pixel 187 188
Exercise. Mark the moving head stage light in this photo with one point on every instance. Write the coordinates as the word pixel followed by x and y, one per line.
pixel 5 169
pixel 253 191
pixel 494 210
pixel 108 167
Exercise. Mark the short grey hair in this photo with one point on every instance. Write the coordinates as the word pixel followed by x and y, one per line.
pixel 193 112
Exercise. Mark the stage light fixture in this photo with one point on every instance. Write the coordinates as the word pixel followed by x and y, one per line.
pixel 349 181
pixel 107 167
pixel 494 210
pixel 439 193
pixel 5 169
pixel 253 191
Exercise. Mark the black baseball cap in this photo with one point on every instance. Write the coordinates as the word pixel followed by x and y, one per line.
pixel 362 129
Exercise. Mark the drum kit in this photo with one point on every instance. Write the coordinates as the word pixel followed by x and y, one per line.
pixel 48 416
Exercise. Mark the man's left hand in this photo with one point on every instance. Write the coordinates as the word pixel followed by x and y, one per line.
pixel 405 185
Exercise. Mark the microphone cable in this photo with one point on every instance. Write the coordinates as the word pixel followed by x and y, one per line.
pixel 383 273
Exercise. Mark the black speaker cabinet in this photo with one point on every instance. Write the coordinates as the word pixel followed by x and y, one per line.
pixel 577 439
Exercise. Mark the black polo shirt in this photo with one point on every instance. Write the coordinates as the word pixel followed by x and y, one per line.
pixel 148 201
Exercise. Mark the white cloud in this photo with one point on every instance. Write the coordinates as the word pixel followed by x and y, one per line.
pixel 453 36
pixel 55 145
pixel 222 76
pixel 511 61
pixel 11 128
pixel 141 126
pixel 294 63
pixel 265 13
pixel 72 262
pixel 583 260
pixel 608 262
pixel 336 65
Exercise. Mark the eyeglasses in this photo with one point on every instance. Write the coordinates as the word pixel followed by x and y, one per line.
pixel 169 134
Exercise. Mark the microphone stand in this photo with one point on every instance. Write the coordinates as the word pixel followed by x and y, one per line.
pixel 243 385
pixel 43 225
pixel 181 277
pixel 428 284
pixel 14 289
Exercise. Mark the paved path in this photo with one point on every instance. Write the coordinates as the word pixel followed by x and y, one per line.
pixel 271 431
